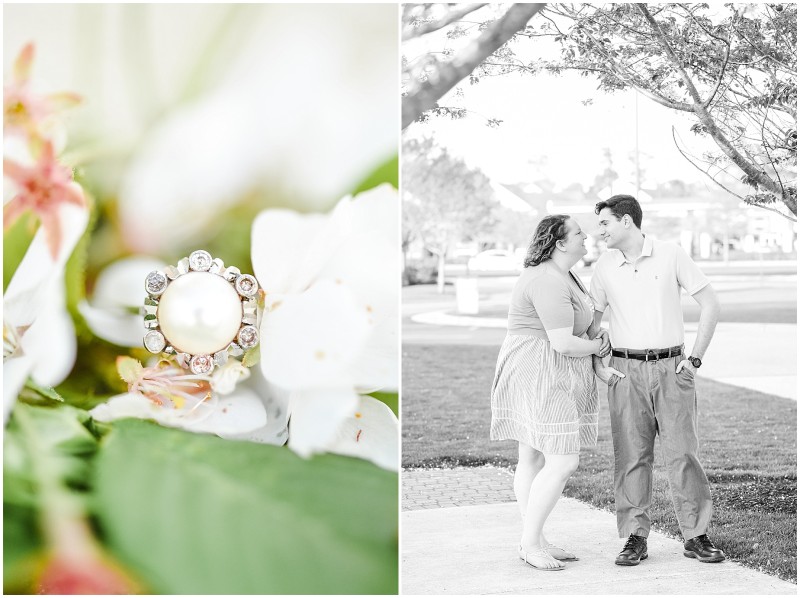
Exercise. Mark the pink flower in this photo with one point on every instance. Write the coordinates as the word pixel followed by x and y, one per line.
pixel 78 565
pixel 25 111
pixel 43 187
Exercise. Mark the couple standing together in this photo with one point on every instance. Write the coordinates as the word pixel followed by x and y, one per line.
pixel 544 394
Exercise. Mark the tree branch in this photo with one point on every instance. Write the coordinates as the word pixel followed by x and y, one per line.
pixel 462 10
pixel 754 173
pixel 467 60
pixel 690 161
pixel 620 71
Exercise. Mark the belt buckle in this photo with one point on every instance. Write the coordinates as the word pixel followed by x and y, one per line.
pixel 650 352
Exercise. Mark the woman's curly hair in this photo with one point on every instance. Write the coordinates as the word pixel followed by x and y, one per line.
pixel 551 229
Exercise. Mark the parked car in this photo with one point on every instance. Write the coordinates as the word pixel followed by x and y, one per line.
pixel 495 260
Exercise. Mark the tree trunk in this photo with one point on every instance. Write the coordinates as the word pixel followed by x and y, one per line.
pixel 440 274
pixel 467 60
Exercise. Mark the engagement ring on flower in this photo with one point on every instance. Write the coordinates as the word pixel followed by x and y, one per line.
pixel 200 311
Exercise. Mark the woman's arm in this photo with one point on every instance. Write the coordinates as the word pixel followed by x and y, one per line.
pixel 570 345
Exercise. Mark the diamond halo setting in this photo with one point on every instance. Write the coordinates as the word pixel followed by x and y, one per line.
pixel 201 312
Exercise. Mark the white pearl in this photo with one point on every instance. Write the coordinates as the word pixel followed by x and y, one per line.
pixel 200 313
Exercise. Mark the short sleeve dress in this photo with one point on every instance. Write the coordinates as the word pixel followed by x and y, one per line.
pixel 540 397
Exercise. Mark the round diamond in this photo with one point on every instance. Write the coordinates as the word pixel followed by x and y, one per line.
pixel 154 341
pixel 155 283
pixel 248 337
pixel 200 261
pixel 246 285
pixel 201 364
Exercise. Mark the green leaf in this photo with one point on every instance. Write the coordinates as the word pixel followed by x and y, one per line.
pixel 197 514
pixel 49 444
pixel 46 392
pixel 22 545
pixel 385 173
pixel 390 398
pixel 15 243
pixel 252 357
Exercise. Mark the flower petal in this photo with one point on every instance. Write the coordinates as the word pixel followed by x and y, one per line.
pixel 113 325
pixel 38 271
pixel 291 250
pixel 119 287
pixel 372 434
pixel 237 413
pixel 276 404
pixel 22 65
pixel 121 284
pixel 377 367
pixel 15 373
pixel 50 341
pixel 316 417
pixel 310 340
pixel 363 264
pixel 377 209
pixel 225 378
pixel 125 405
pixel 286 249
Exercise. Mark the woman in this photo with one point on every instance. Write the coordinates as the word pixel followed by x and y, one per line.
pixel 544 394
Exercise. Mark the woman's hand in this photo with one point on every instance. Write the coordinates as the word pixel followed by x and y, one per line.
pixel 605 343
pixel 604 372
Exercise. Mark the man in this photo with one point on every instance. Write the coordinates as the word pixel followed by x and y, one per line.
pixel 639 280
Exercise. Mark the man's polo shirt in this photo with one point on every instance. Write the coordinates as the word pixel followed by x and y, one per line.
pixel 644 297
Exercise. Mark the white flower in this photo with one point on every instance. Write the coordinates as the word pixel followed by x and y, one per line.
pixel 174 397
pixel 330 327
pixel 113 312
pixel 38 334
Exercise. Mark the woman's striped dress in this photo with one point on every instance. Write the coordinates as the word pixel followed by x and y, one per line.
pixel 540 397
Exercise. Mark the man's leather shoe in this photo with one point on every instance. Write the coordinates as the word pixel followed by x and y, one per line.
pixel 703 550
pixel 635 550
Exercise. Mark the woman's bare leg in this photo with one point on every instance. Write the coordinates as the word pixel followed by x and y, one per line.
pixel 545 490
pixel 530 463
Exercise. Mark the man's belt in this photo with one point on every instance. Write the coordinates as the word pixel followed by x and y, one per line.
pixel 648 354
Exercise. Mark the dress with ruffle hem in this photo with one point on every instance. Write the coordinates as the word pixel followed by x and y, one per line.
pixel 542 398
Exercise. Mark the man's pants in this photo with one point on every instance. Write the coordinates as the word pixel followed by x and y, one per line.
pixel 652 399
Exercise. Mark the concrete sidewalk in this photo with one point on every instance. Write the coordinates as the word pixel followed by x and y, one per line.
pixel 460 530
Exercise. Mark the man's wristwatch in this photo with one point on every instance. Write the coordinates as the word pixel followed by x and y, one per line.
pixel 696 362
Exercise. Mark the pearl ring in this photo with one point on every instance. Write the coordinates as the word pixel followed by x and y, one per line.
pixel 200 311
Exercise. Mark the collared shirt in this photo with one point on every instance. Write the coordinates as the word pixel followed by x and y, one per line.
pixel 644 296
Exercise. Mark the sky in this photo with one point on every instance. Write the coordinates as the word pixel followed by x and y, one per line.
pixel 547 130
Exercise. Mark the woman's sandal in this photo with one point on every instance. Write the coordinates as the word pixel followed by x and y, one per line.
pixel 541 559
pixel 559 553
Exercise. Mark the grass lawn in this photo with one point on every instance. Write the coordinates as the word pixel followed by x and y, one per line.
pixel 748 446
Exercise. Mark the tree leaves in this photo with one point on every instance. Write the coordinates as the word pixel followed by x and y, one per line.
pixel 198 514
